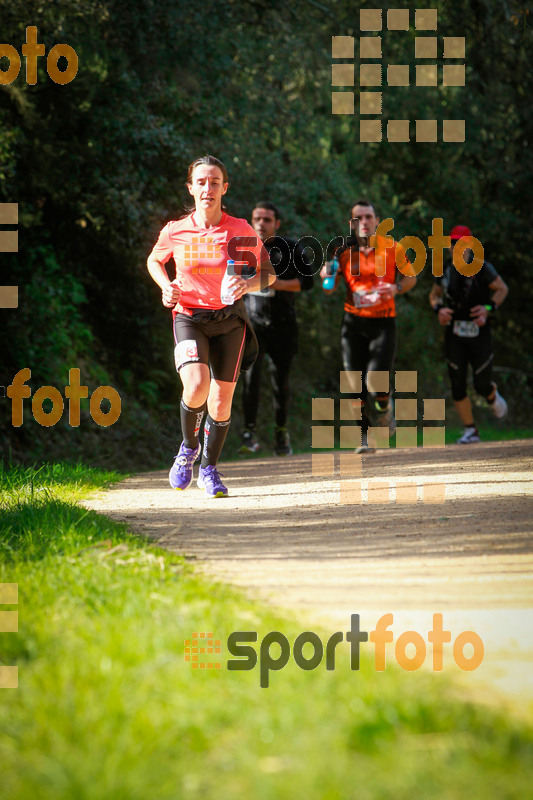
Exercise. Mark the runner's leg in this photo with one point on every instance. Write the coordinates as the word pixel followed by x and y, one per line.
pixel 457 356
pixel 251 384
pixel 191 421
pixel 226 348
pixel 464 410
pixel 381 353
pixel 214 437
pixel 354 349
pixel 481 358
pixel 282 349
pixel 191 356
pixel 196 382
pixel 225 355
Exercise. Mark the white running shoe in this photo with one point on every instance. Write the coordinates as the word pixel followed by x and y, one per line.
pixel 498 406
pixel 470 436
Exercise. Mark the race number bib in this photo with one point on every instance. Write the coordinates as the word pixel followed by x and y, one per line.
pixel 465 328
pixel 364 299
pixel 185 351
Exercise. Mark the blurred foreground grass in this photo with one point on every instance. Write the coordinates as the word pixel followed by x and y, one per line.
pixel 108 708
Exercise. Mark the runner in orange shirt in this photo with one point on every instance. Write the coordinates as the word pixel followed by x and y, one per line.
pixel 210 330
pixel 368 334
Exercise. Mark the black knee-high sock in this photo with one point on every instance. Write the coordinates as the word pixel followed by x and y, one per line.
pixel 214 436
pixel 382 401
pixel 191 419
pixel 365 421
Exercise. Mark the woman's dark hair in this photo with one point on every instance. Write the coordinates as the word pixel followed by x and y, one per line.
pixel 210 161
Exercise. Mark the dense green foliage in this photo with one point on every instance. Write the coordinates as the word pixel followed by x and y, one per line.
pixel 98 166
pixel 107 707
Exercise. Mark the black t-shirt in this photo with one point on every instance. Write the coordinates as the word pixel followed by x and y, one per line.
pixel 289 261
pixel 462 293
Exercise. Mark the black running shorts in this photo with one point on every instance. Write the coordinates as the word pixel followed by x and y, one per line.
pixel 368 344
pixel 219 345
pixel 462 351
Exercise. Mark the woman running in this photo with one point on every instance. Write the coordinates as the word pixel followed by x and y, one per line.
pixel 210 335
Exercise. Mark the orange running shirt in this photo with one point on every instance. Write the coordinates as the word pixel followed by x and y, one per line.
pixel 200 255
pixel 364 288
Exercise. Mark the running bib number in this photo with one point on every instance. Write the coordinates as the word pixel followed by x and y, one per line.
pixel 185 351
pixel 363 299
pixel 467 329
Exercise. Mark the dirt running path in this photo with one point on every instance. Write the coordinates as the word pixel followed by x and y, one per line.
pixel 285 536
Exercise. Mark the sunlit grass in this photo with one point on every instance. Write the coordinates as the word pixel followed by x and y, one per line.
pixel 107 707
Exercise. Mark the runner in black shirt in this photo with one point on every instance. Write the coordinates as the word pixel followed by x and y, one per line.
pixel 464 305
pixel 273 316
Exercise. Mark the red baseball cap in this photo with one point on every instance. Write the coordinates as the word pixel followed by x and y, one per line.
pixel 459 231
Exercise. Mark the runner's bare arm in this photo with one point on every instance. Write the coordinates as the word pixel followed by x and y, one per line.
pixel 158 272
pixel 480 314
pixel 500 289
pixel 406 283
pixel 445 314
pixel 435 295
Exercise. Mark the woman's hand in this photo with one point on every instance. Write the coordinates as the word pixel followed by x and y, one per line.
pixel 237 286
pixel 171 295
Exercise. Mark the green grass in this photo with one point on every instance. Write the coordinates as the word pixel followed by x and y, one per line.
pixel 107 708
pixel 490 433
pixel 490 430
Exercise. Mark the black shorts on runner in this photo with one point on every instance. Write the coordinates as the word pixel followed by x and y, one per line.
pixel 368 344
pixel 218 344
pixel 477 351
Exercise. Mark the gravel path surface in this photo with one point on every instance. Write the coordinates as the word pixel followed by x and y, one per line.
pixel 284 535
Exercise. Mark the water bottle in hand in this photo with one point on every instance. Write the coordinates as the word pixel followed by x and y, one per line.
pixel 226 294
pixel 329 280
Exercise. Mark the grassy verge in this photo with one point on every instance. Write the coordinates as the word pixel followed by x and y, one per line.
pixel 108 708
pixel 490 433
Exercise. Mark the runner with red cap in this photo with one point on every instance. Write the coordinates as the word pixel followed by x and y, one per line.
pixel 459 232
pixel 464 306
